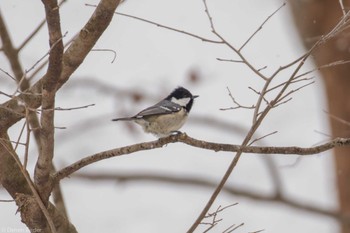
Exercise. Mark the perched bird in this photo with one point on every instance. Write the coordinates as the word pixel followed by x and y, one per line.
pixel 167 116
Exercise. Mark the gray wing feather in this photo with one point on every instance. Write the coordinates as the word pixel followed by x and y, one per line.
pixel 163 107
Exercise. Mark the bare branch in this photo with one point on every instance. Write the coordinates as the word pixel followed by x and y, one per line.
pixel 36 30
pixel 31 186
pixel 282 102
pixel 259 94
pixel 295 80
pixel 19 136
pixel 342 7
pixel 261 26
pixel 220 209
pixel 47 53
pixel 26 150
pixel 262 68
pixel 65 109
pixel 230 60
pixel 11 54
pixel 291 92
pixel 49 86
pixel 235 102
pixel 7 74
pixel 259 117
pixel 233 228
pixel 67 171
pixel 262 137
pixel 41 66
pixel 332 64
pixel 191 180
pixel 107 50
pixel 7 200
pixel 213 216
pixel 164 26
pixel 244 60
pixel 258 231
pixel 337 118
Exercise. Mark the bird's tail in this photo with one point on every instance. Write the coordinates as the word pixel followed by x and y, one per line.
pixel 124 119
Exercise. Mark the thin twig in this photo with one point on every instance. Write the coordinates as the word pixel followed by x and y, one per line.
pixel 262 137
pixel 214 215
pixel 262 68
pixel 20 135
pixel 342 7
pixel 229 60
pixel 46 54
pixel 258 231
pixel 73 108
pixel 332 64
pixel 261 26
pixel 259 94
pixel 107 50
pixel 337 118
pixel 7 74
pixel 233 228
pixel 220 209
pixel 40 67
pixel 14 142
pixel 7 200
pixel 292 82
pixel 292 91
pixel 26 151
pixel 164 26
pixel 235 102
pixel 282 102
pixel 64 109
pixel 244 60
pixel 36 30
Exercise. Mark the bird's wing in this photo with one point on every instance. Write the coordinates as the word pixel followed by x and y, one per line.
pixel 163 107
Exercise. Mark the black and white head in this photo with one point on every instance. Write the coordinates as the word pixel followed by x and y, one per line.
pixel 182 97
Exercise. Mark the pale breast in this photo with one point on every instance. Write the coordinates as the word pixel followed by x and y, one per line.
pixel 162 125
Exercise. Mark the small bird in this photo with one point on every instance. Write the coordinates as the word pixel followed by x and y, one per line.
pixel 167 116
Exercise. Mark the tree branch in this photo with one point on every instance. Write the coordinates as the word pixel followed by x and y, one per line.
pixel 11 111
pixel 205 182
pixel 184 138
pixel 49 83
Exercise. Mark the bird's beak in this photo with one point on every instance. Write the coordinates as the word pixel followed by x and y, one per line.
pixel 195 96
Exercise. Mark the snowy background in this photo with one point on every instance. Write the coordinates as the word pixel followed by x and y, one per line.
pixel 153 61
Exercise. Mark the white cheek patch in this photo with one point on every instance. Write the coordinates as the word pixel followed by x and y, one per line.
pixel 182 102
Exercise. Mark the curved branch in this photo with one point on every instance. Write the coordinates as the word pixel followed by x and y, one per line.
pixel 184 138
pixel 204 182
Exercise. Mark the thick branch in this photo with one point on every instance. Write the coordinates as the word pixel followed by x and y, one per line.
pixel 67 171
pixel 44 163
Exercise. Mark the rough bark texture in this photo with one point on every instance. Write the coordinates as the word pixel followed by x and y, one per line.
pixel 314 18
